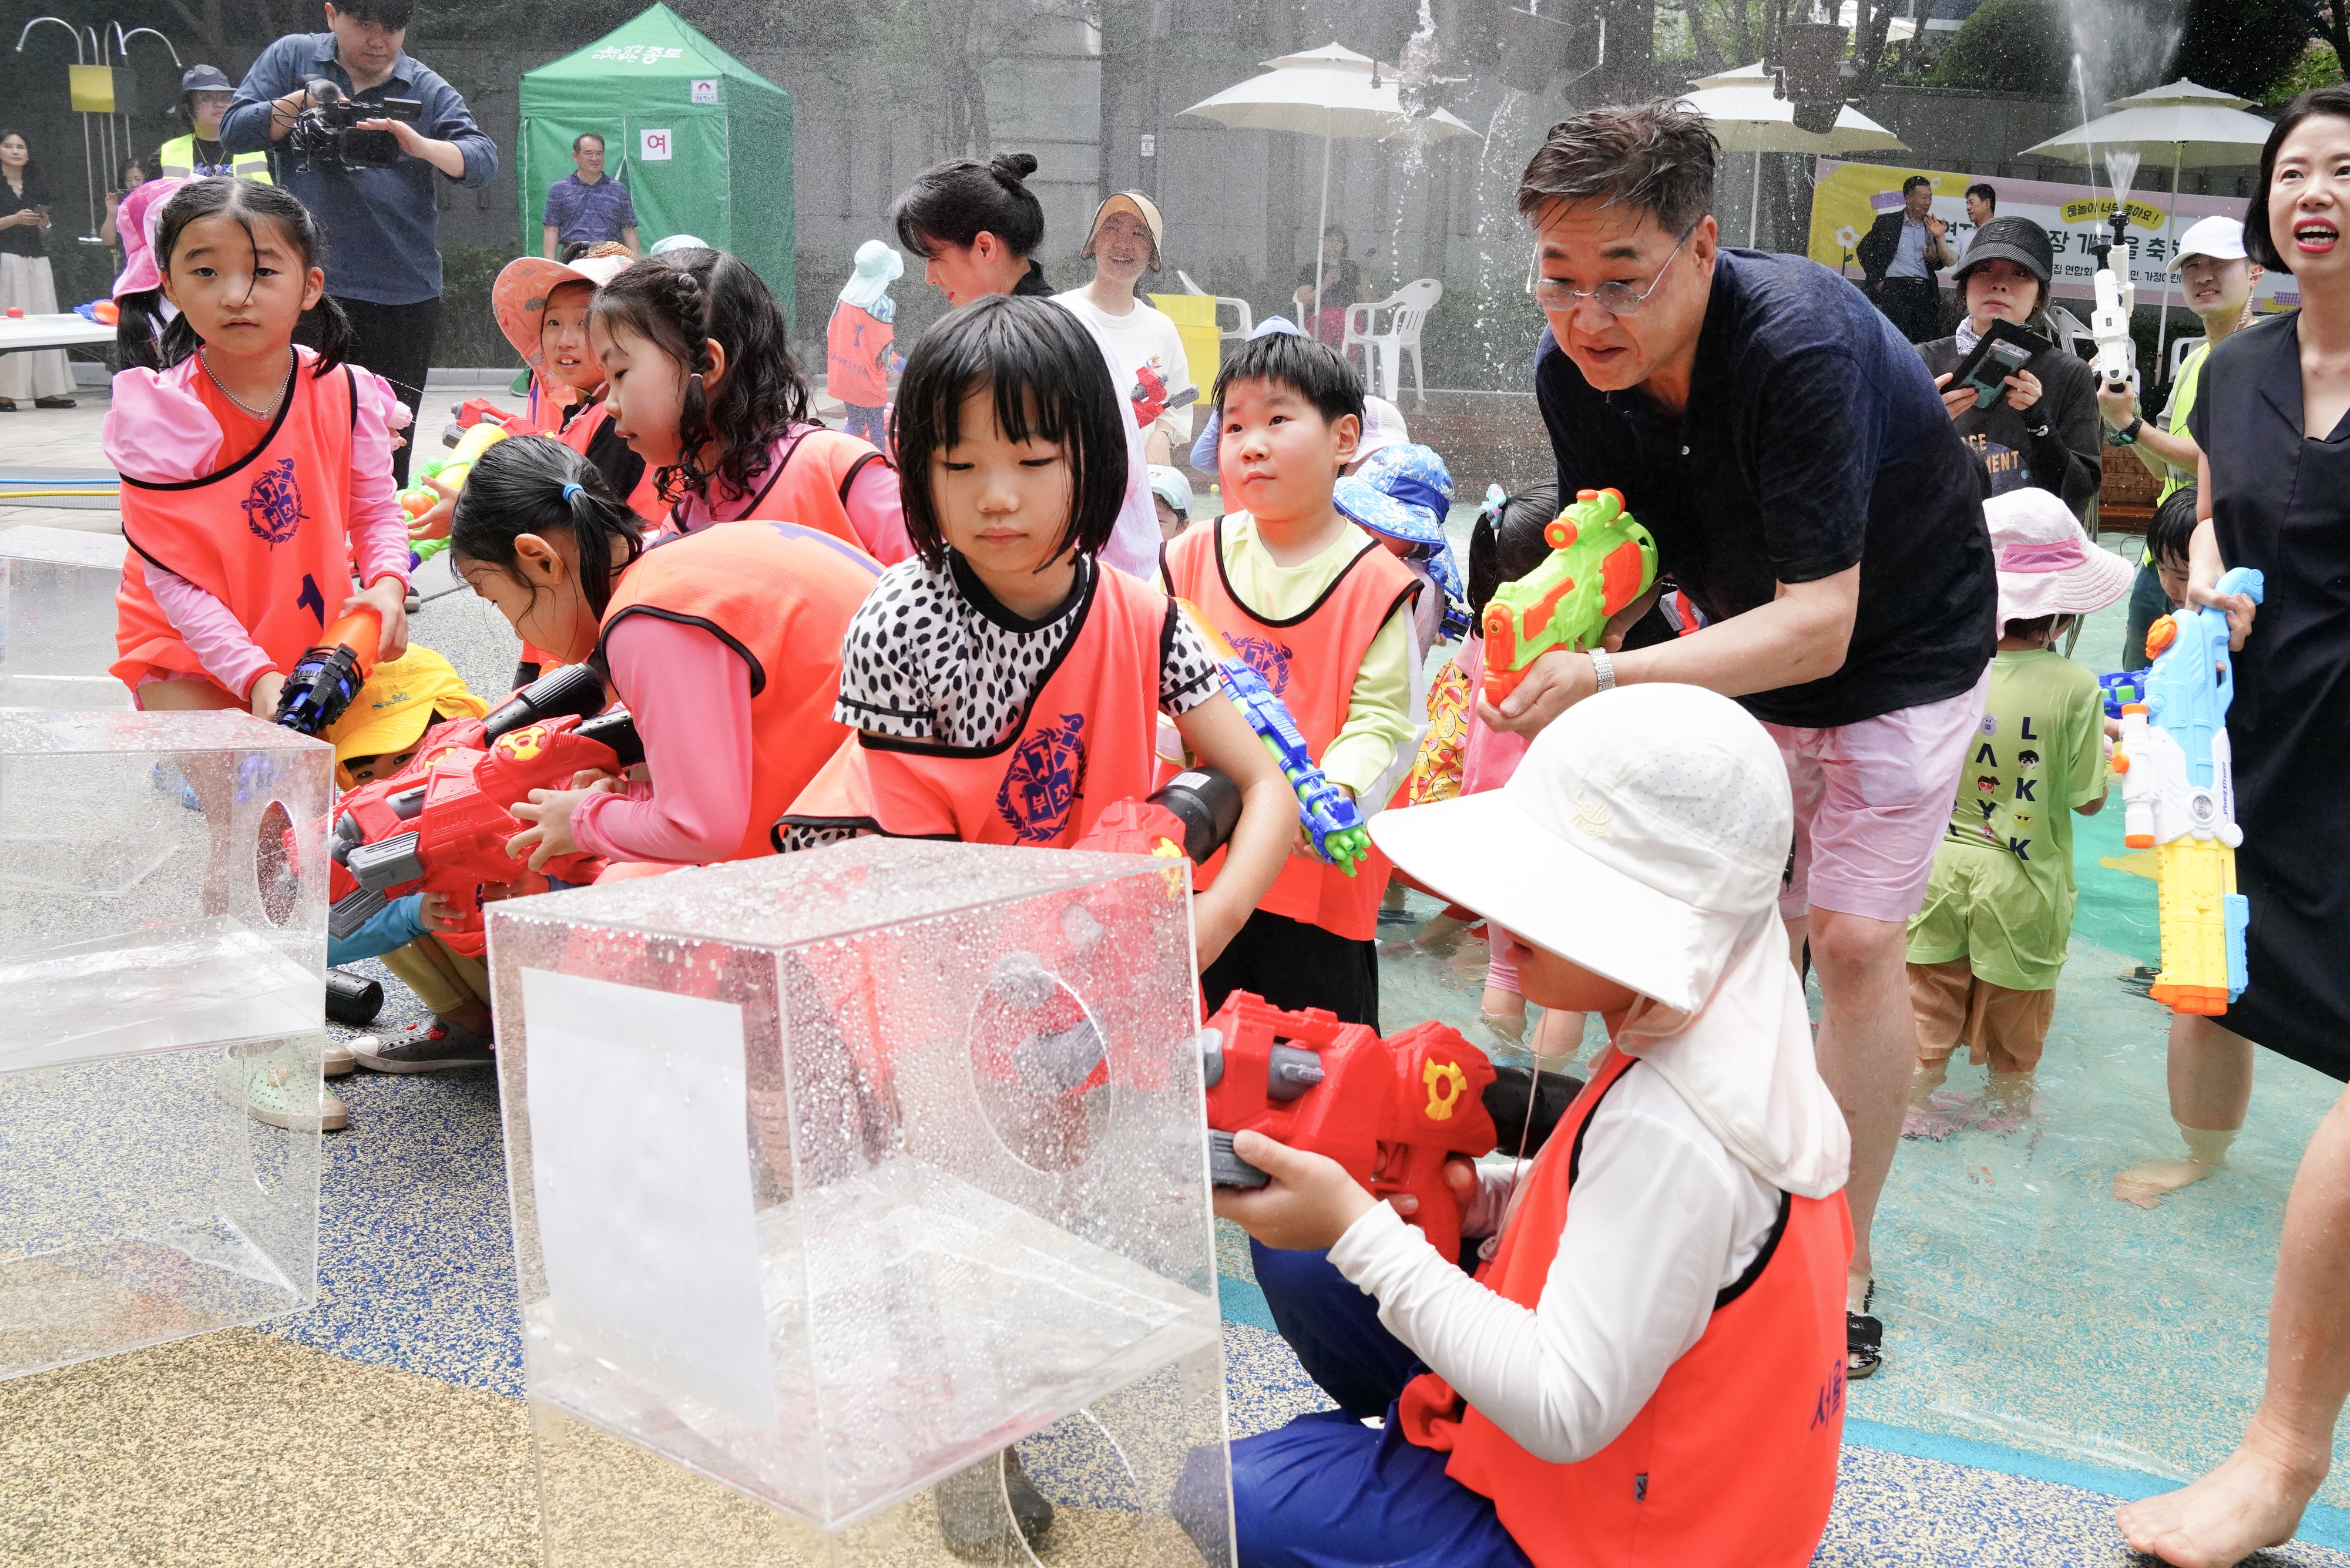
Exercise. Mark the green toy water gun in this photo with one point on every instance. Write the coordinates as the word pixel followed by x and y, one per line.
pixel 1601 560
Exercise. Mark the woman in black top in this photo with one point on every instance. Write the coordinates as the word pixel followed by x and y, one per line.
pixel 2273 424
pixel 2044 429
pixel 25 282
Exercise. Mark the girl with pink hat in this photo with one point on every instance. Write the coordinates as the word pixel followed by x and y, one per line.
pixel 1985 951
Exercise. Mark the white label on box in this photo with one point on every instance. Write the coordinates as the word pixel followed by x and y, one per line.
pixel 652 146
pixel 640 1165
pixel 705 89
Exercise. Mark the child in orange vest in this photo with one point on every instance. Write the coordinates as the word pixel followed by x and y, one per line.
pixel 255 473
pixel 725 644
pixel 1004 684
pixel 856 342
pixel 1323 613
pixel 701 384
pixel 1648 1363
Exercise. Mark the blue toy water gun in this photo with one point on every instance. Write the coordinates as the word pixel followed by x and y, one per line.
pixel 2179 796
pixel 1332 819
pixel 2120 687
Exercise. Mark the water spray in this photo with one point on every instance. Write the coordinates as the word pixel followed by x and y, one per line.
pixel 2116 362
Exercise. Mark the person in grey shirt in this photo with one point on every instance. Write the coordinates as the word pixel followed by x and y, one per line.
pixel 383 264
pixel 1901 255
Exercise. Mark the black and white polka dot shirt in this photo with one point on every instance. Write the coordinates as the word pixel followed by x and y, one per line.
pixel 933 655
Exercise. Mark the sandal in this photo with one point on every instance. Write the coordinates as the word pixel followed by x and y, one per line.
pixel 1864 1340
pixel 56 402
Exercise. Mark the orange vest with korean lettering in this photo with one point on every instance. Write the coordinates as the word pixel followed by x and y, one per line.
pixel 782 597
pixel 809 483
pixel 1083 745
pixel 268 535
pixel 1733 1458
pixel 1310 661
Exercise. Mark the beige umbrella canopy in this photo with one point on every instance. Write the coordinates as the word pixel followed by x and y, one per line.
pixel 1746 117
pixel 1328 92
pixel 2194 126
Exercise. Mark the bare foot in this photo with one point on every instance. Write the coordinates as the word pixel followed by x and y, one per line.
pixel 2147 1185
pixel 2252 1500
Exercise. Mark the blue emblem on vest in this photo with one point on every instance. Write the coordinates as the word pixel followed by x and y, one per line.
pixel 1268 659
pixel 1047 771
pixel 273 510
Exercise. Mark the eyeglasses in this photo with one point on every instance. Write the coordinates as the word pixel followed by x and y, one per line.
pixel 1615 298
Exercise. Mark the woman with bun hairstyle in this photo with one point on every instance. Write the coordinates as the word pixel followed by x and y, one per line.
pixel 975 225
pixel 701 383
pixel 725 644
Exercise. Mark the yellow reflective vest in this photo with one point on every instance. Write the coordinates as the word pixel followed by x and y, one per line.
pixel 177 160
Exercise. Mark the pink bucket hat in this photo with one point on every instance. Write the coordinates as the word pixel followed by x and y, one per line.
pixel 2047 565
pixel 518 298
pixel 134 220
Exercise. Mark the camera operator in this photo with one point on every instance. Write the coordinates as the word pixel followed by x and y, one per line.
pixel 382 264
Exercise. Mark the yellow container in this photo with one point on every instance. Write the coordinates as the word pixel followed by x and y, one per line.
pixel 102 89
pixel 1194 315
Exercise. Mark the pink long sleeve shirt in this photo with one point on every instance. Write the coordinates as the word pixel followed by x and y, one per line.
pixel 157 430
pixel 691 694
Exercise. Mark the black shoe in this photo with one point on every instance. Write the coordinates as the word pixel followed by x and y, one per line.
pixel 53 402
pixel 1864 1339
pixel 424 1048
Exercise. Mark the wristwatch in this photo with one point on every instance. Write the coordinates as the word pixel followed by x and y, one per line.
pixel 1602 670
pixel 2128 434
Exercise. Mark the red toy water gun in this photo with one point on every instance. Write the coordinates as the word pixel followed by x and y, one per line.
pixel 482 411
pixel 1191 818
pixel 1391 1111
pixel 441 823
pixel 1151 399
pixel 326 676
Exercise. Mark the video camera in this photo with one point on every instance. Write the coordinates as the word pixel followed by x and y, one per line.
pixel 326 130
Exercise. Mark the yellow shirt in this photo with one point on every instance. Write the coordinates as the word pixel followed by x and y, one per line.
pixel 1378 708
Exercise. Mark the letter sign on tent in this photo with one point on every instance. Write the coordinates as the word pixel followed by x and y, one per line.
pixel 652 146
pixel 705 89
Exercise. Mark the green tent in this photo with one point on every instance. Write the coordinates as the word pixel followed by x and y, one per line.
pixel 673 110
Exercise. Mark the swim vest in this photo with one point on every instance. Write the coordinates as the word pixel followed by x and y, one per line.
pixel 1733 1458
pixel 781 596
pixel 1082 745
pixel 1310 661
pixel 267 534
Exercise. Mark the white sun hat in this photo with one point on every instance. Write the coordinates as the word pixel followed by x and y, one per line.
pixel 2047 565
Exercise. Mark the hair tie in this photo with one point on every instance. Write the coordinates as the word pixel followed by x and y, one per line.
pixel 568 492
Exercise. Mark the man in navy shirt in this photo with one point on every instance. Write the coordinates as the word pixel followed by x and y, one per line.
pixel 587 207
pixel 1790 455
pixel 384 266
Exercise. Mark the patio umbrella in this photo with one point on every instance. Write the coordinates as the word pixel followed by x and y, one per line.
pixel 2198 127
pixel 1746 117
pixel 1327 92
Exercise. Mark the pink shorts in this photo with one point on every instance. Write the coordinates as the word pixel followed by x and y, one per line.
pixel 1871 801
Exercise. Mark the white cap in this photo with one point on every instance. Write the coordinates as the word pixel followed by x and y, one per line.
pixel 1171 486
pixel 1645 829
pixel 2047 565
pixel 2222 239
pixel 1383 426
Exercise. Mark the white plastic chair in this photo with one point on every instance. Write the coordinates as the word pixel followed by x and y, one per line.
pixel 2180 349
pixel 1239 334
pixel 2070 332
pixel 1406 309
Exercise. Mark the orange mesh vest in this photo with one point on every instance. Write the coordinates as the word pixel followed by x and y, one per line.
pixel 267 535
pixel 780 596
pixel 809 483
pixel 1083 745
pixel 645 499
pixel 855 341
pixel 1733 1458
pixel 1310 661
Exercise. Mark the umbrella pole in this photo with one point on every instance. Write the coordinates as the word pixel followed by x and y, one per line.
pixel 1314 327
pixel 1754 202
pixel 2169 224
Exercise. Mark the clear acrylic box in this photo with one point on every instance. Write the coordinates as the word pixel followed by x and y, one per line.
pixel 843 1180
pixel 57 619
pixel 158 948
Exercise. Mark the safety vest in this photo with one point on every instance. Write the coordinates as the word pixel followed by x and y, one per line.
pixel 808 484
pixel 781 595
pixel 853 342
pixel 1310 661
pixel 2182 403
pixel 176 159
pixel 1733 1458
pixel 1083 745
pixel 580 431
pixel 268 535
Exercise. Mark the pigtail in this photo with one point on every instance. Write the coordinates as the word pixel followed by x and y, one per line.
pixel 336 337
pixel 178 343
pixel 134 331
pixel 689 315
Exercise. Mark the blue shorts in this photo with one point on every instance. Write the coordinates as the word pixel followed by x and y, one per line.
pixel 1326 1491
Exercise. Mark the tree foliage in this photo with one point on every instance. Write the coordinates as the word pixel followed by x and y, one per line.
pixel 2249 48
pixel 2009 46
